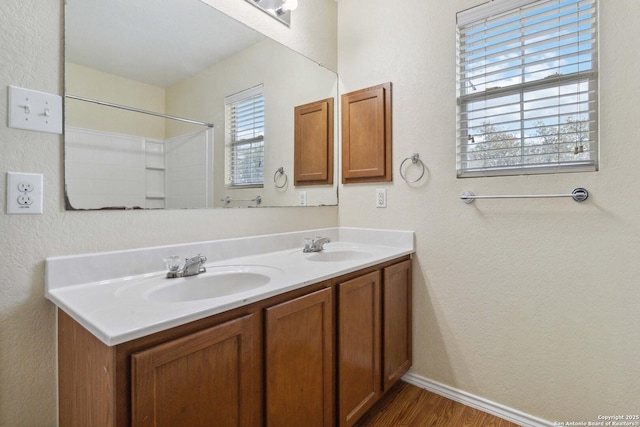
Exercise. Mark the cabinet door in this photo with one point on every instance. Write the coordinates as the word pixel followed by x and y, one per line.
pixel 299 362
pixel 202 379
pixel 396 303
pixel 313 143
pixel 359 366
pixel 366 135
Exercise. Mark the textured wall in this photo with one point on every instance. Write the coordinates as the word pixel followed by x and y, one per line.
pixel 31 57
pixel 533 304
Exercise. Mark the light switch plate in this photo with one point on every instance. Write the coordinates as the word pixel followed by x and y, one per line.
pixel 33 110
pixel 24 193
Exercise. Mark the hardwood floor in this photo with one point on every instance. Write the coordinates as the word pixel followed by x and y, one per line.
pixel 411 406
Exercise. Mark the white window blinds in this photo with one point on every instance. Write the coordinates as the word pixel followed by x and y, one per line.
pixel 244 113
pixel 527 87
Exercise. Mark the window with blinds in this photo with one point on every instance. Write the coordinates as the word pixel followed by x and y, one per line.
pixel 244 117
pixel 527 87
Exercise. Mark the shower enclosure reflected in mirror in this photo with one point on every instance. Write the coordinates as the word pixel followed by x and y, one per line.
pixel 181 59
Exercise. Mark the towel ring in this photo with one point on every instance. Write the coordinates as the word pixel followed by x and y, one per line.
pixel 415 159
pixel 280 172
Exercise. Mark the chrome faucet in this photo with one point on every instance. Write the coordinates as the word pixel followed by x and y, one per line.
pixel 315 245
pixel 192 266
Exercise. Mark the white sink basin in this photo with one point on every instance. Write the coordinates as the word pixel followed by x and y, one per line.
pixel 216 282
pixel 338 255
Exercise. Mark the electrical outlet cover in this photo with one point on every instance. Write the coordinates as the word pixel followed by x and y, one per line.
pixel 24 193
pixel 381 198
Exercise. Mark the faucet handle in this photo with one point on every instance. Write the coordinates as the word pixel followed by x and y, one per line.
pixel 308 243
pixel 198 259
pixel 172 263
pixel 201 259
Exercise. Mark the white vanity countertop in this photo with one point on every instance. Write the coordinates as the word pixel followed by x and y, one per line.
pixel 107 293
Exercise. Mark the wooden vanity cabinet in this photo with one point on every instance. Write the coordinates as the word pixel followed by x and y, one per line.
pixel 359 346
pixel 397 321
pixel 208 372
pixel 316 356
pixel 299 361
pixel 200 379
pixel 374 337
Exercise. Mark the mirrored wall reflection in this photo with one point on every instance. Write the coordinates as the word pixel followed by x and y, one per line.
pixel 166 57
pixel 106 169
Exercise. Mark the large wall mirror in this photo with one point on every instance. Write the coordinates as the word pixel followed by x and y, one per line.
pixel 135 68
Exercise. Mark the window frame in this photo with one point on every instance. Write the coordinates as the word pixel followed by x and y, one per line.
pixel 253 144
pixel 483 16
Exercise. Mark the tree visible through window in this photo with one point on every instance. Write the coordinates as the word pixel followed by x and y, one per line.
pixel 527 87
pixel 245 138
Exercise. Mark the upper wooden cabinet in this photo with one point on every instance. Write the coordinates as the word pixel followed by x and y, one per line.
pixel 366 135
pixel 313 144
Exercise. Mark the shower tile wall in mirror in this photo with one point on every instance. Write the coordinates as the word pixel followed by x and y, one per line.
pixel 177 58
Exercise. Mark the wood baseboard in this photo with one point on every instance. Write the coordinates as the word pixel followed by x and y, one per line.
pixel 485 405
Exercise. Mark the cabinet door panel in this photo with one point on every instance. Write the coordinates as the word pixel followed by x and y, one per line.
pixel 396 303
pixel 299 362
pixel 202 379
pixel 313 144
pixel 366 135
pixel 359 347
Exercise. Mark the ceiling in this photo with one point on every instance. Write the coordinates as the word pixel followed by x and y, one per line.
pixel 160 42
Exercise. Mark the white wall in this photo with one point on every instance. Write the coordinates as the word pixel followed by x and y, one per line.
pixel 31 57
pixel 533 304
